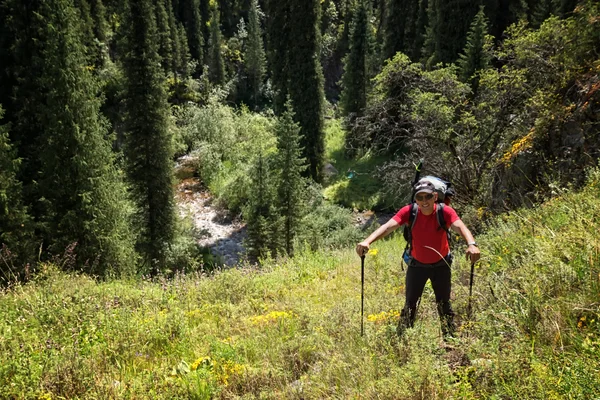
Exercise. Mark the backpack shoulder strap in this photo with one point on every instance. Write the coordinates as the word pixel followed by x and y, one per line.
pixel 441 220
pixel 412 217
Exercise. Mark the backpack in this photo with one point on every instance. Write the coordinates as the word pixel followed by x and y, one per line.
pixel 445 192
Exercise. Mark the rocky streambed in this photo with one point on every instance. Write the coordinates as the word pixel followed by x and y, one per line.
pixel 216 228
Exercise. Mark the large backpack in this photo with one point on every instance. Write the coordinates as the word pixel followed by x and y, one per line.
pixel 445 192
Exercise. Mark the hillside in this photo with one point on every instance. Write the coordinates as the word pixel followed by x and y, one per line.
pixel 292 329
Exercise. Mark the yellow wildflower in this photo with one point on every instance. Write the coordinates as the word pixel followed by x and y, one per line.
pixel 373 252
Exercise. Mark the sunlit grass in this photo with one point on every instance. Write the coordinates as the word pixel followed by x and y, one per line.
pixel 291 329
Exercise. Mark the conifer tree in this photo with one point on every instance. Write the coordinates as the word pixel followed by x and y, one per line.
pixel 449 22
pixel 306 81
pixel 216 67
pixel 75 191
pixel 290 164
pixel 255 60
pixel 356 74
pixel 165 42
pixel 205 28
pixel 278 37
pixel 15 228
pixel 474 57
pixel 193 26
pixel 394 27
pixel 260 213
pixel 148 147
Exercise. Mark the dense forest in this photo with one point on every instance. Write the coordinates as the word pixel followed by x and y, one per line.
pixel 99 97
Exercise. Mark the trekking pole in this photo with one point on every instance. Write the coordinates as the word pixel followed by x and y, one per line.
pixel 470 289
pixel 362 293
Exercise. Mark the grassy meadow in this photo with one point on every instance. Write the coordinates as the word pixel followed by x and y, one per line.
pixel 291 329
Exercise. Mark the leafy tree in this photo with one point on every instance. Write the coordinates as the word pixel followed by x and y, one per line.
pixel 290 164
pixel 148 146
pixel 356 72
pixel 475 56
pixel 255 59
pixel 306 82
pixel 216 67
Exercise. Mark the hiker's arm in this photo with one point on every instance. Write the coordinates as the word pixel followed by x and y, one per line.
pixel 382 231
pixel 472 251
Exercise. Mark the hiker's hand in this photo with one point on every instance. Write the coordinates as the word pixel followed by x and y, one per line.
pixel 473 253
pixel 362 248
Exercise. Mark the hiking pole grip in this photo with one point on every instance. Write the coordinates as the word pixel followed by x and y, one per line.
pixel 470 289
pixel 362 293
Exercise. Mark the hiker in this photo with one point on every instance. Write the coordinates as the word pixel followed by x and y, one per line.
pixel 430 254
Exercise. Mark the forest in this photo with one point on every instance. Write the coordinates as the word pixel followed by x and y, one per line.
pixel 297 116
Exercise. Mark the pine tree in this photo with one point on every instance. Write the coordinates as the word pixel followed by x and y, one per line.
pixel 260 213
pixel 148 147
pixel 75 191
pixel 290 165
pixel 255 60
pixel 356 74
pixel 306 81
pixel 216 67
pixel 474 57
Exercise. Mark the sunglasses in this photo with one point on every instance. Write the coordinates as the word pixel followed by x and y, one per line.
pixel 423 197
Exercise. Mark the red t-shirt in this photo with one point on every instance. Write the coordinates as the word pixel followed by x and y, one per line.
pixel 427 234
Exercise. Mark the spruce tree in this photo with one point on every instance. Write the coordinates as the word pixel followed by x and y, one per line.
pixel 216 67
pixel 148 146
pixel 394 27
pixel 75 191
pixel 278 43
pixel 254 58
pixel 205 28
pixel 165 40
pixel 449 22
pixel 306 81
pixel 261 217
pixel 291 165
pixel 15 227
pixel 474 57
pixel 356 74
pixel 193 26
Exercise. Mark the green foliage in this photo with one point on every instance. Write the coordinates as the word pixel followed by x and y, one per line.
pixel 148 147
pixel 193 28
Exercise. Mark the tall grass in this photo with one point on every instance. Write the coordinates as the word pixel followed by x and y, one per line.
pixel 292 328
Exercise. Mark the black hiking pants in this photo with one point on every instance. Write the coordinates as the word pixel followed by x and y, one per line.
pixel 417 275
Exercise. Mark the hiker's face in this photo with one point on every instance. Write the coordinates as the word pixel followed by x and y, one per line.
pixel 425 201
